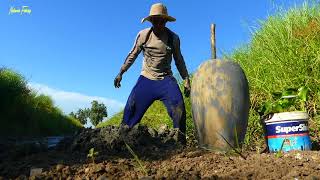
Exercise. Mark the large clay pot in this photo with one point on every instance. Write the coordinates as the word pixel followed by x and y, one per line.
pixel 220 104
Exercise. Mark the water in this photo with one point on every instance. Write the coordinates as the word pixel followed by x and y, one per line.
pixel 52 141
pixel 49 142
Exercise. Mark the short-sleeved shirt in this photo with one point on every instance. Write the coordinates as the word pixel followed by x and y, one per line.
pixel 157 55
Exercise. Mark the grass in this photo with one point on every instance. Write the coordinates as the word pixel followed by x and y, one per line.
pixel 235 149
pixel 92 154
pixel 280 152
pixel 26 113
pixel 136 158
pixel 283 53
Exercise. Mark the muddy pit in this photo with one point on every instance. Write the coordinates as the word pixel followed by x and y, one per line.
pixel 156 155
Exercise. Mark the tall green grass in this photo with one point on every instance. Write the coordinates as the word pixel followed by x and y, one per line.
pixel 25 113
pixel 283 53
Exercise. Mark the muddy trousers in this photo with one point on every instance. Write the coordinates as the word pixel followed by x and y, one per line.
pixel 146 91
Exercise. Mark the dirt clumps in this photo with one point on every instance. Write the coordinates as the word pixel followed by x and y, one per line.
pixel 113 141
pixel 157 155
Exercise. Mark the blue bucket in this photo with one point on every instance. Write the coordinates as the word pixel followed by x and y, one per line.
pixel 287 131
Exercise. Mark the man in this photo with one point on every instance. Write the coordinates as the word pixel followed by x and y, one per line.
pixel 156 82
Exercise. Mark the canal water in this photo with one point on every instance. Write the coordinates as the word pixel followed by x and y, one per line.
pixel 49 142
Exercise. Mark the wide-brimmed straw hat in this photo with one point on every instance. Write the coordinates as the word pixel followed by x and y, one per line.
pixel 158 10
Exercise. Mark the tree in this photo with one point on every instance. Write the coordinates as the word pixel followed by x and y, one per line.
pixel 97 112
pixel 82 115
pixel 72 114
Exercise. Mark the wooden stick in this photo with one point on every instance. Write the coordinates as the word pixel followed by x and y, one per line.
pixel 213 41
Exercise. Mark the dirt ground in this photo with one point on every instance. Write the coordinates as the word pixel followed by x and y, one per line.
pixel 156 155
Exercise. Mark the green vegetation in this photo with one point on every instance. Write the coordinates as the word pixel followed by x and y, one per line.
pixel 136 158
pixel 283 53
pixel 279 154
pixel 286 101
pixel 95 114
pixel 92 154
pixel 25 113
pixel 82 115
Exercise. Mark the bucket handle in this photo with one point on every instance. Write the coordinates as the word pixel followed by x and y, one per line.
pixel 266 117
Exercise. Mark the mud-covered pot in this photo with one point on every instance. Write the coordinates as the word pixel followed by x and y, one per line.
pixel 220 104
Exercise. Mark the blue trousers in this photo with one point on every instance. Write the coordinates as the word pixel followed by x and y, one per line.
pixel 146 91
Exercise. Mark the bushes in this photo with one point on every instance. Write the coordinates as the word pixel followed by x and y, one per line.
pixel 24 113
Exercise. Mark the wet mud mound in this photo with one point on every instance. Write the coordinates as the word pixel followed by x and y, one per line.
pixel 114 141
pixel 161 157
pixel 110 142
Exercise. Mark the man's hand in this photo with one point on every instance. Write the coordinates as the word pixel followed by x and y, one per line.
pixel 117 81
pixel 187 87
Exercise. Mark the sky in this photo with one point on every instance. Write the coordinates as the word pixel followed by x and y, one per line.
pixel 72 50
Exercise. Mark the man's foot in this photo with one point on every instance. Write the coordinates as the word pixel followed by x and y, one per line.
pixel 123 128
pixel 182 138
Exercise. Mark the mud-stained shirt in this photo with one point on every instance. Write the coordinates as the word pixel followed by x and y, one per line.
pixel 157 55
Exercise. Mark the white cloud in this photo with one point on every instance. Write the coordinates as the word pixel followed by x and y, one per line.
pixel 72 101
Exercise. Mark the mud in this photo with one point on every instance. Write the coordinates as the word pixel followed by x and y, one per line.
pixel 220 103
pixel 113 140
pixel 157 155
